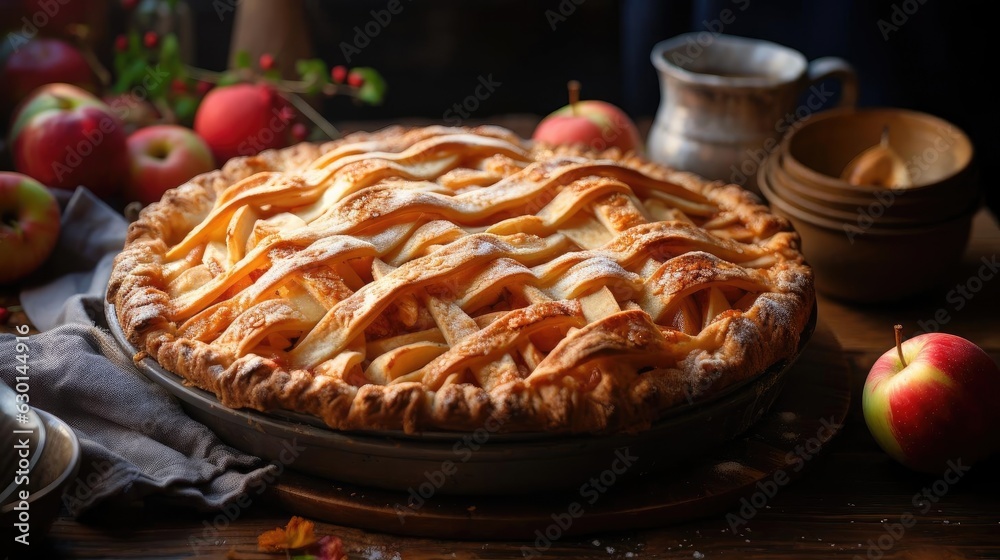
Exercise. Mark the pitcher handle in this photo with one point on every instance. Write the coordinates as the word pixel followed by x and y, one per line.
pixel 839 69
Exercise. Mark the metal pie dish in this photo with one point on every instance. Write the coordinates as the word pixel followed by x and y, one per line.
pixel 481 462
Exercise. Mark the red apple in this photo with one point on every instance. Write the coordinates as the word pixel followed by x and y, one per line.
pixel 163 157
pixel 41 61
pixel 29 225
pixel 243 119
pixel 597 124
pixel 931 400
pixel 65 137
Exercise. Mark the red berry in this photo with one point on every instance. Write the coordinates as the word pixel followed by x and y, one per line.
pixel 177 85
pixel 286 114
pixel 299 132
pixel 121 43
pixel 355 80
pixel 338 74
pixel 4 315
pixel 150 39
pixel 129 4
pixel 266 61
pixel 203 87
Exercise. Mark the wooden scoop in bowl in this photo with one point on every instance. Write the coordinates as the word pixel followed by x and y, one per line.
pixel 879 165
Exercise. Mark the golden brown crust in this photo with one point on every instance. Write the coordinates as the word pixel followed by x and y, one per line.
pixel 443 278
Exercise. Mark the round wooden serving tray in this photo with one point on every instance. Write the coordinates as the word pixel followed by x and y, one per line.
pixel 770 455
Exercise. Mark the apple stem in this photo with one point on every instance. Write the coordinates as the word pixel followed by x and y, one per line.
pixel 63 102
pixel 899 343
pixel 574 94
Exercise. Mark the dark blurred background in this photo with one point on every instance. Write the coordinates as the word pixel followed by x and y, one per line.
pixel 433 50
pixel 928 55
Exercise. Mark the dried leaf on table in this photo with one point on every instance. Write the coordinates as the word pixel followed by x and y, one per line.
pixel 299 533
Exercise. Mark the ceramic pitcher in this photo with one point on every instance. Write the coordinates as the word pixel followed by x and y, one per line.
pixel 727 101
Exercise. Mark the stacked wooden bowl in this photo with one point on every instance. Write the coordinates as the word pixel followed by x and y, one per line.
pixel 870 242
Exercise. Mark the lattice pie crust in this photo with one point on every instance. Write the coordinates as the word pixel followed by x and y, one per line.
pixel 433 278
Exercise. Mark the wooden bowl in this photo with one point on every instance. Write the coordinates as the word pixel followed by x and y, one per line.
pixel 886 208
pixel 938 154
pixel 886 211
pixel 874 264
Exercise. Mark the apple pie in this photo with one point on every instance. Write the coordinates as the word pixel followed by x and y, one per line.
pixel 442 278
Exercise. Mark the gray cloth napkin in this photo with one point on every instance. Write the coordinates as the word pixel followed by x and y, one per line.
pixel 136 439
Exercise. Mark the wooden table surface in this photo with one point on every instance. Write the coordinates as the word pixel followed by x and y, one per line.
pixel 848 504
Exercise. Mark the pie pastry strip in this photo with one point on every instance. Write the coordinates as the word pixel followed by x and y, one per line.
pixel 345 319
pixel 603 321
